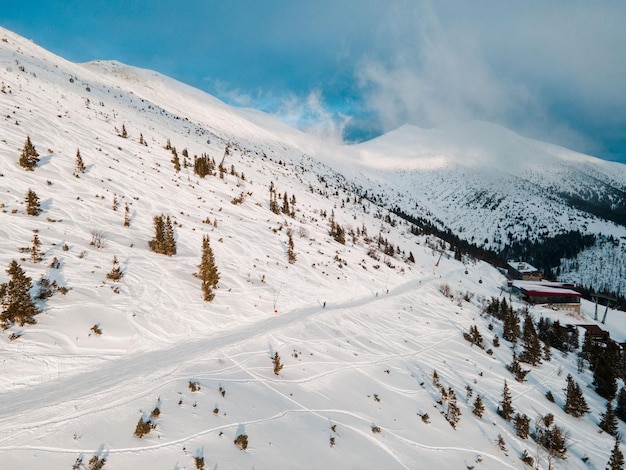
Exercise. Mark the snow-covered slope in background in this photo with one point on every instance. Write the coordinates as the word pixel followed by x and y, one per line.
pixel 359 331
pixel 493 187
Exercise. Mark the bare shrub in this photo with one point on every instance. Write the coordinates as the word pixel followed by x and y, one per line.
pixel 97 239
pixel 445 289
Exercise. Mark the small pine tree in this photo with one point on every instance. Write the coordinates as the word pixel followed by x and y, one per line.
pixel 124 134
pixel 175 160
pixel 506 405
pixel 285 208
pixel 17 303
pixel 33 206
pixel 291 254
pixel 141 139
pixel 511 325
pixel 126 216
pixel 479 407
pixel 79 168
pixel 532 345
pixel 29 157
pixel 35 253
pixel 516 369
pixel 620 408
pixel 163 241
pixel 207 271
pixel 616 461
pixel 552 438
pixel 116 272
pixel 501 443
pixel 435 377
pixel 170 240
pixel 274 207
pixel 522 425
pixel 606 373
pixel 575 403
pixel 547 352
pixel 453 414
pixel 277 365
pixel 609 423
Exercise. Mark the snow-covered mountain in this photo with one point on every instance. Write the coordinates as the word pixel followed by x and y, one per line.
pixel 494 188
pixel 361 318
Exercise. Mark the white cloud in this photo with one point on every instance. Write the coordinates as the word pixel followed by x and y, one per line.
pixel 542 69
pixel 312 115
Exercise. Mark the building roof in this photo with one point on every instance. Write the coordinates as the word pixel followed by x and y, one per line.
pixel 543 283
pixel 546 291
pixel 522 266
pixel 594 329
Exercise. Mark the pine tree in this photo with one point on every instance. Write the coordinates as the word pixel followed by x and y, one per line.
pixel 79 168
pixel 126 215
pixel 29 157
pixel 274 207
pixel 124 134
pixel 552 438
pixel 175 160
pixel 207 271
pixel 277 365
pixel 547 351
pixel 501 443
pixel 164 241
pixel 17 303
pixel 511 324
pixel 116 272
pixel 616 461
pixel 575 403
pixel 522 425
pixel 620 408
pixel 291 254
pixel 478 407
pixel 170 240
pixel 606 372
pixel 35 254
pixel 516 369
pixel 506 405
pixel 285 208
pixel 453 414
pixel 157 244
pixel 608 423
pixel 33 206
pixel 532 345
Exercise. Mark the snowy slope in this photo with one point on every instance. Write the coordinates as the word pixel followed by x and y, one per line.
pixel 359 332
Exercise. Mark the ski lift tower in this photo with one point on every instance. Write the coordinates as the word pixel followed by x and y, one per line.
pixel 608 299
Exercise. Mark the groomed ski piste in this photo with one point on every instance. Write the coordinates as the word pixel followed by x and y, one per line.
pixel 359 332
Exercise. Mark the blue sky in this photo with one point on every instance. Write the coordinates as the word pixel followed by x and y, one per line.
pixel 353 69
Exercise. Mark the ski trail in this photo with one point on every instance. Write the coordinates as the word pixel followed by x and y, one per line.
pixel 46 401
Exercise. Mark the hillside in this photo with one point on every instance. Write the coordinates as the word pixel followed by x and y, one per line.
pixel 360 319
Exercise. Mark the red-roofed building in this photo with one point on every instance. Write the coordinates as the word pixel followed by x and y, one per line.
pixel 551 296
